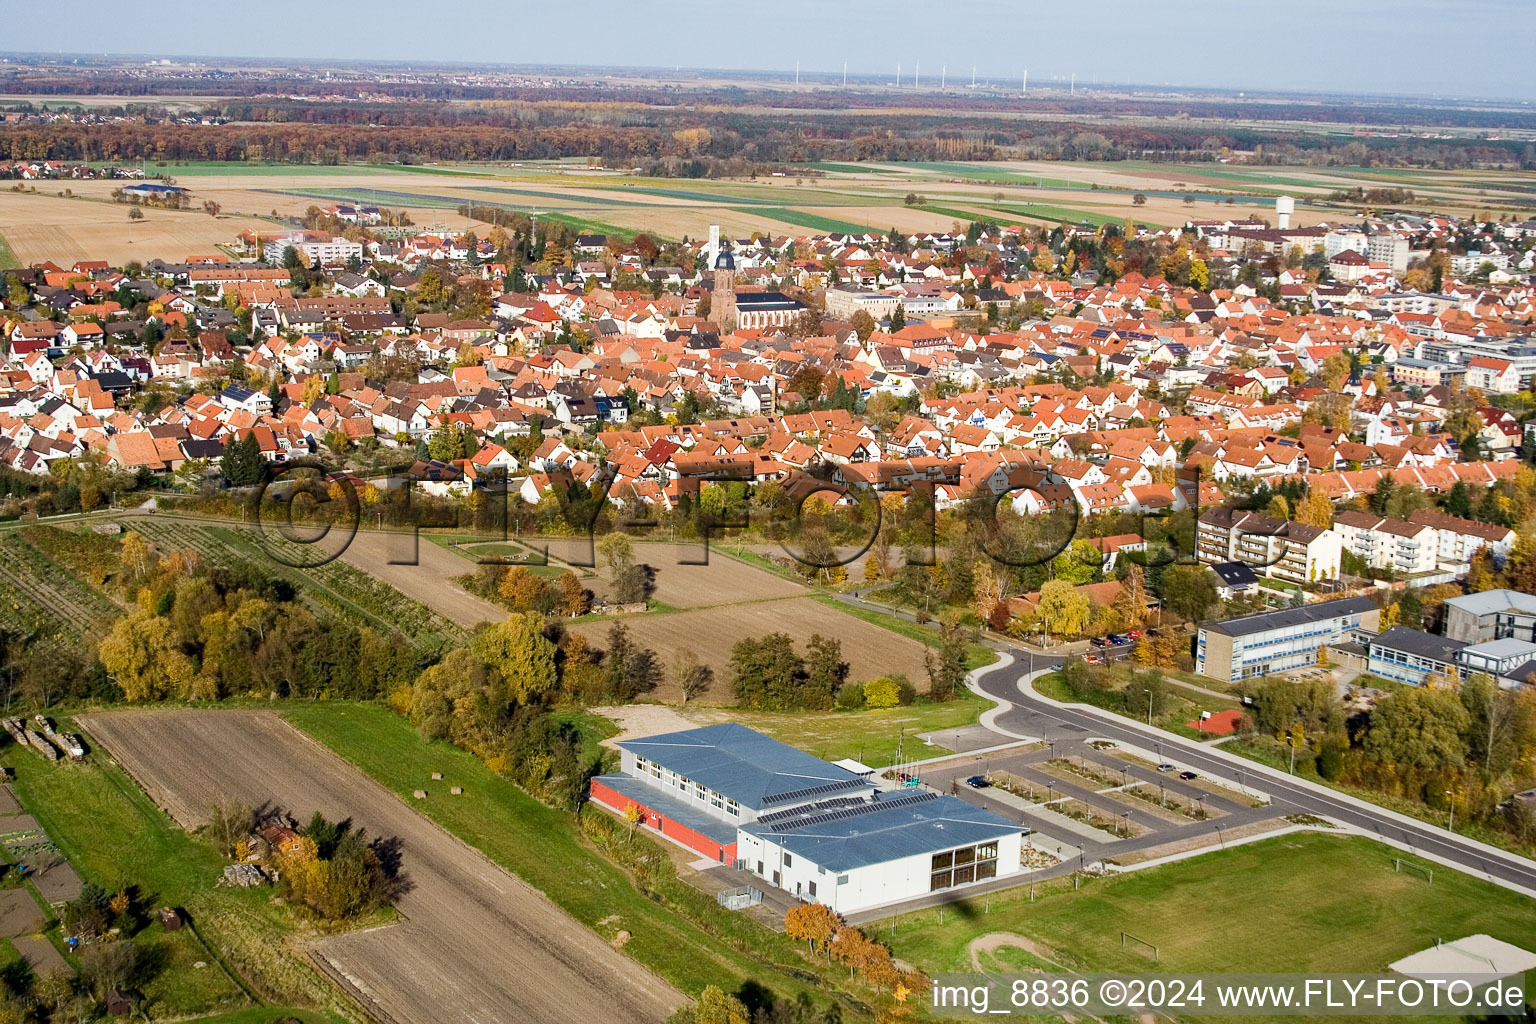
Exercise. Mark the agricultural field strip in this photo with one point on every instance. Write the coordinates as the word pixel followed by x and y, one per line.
pixel 51 588
pixel 870 650
pixel 335 585
pixel 478 946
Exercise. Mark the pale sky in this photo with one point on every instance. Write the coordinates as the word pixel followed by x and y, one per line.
pixel 1448 48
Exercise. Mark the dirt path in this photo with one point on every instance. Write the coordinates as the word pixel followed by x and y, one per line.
pixel 430 581
pixel 636 720
pixel 992 941
pixel 479 945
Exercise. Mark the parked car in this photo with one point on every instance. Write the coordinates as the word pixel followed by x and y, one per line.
pixel 1188 775
pixel 1165 767
pixel 1098 641
pixel 1118 639
pixel 1154 631
pixel 977 782
pixel 1134 634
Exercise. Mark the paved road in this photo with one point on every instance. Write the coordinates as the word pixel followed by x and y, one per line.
pixel 1029 715
pixel 1025 714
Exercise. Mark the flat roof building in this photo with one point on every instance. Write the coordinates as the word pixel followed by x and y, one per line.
pixel 1491 615
pixel 1411 656
pixel 1257 645
pixel 812 828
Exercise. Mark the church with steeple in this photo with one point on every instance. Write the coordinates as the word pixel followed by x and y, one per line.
pixel 722 301
pixel 749 310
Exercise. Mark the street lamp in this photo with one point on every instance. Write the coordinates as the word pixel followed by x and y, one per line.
pixel 1149 707
pixel 1451 825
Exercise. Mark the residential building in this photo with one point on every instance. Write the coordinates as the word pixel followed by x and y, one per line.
pixel 1406 548
pixel 1272 547
pixel 317 251
pixel 1389 249
pixel 1257 645
pixel 1459 539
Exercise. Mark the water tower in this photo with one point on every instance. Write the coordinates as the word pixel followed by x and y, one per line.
pixel 1284 207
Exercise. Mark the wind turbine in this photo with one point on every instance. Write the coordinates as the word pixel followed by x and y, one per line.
pixel 943 76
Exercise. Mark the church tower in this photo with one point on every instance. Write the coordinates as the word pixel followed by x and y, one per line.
pixel 722 300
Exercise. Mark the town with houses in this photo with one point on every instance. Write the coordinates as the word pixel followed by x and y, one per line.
pixel 486 543
pixel 995 370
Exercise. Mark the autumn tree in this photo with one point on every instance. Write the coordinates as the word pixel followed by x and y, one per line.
pixel 1315 509
pixel 862 323
pixel 813 923
pixel 1064 610
pixel 518 649
pixel 143 656
pixel 1131 605
pixel 574 598
pixel 714 1007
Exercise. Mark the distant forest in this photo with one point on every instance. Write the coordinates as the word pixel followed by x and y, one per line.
pixel 717 132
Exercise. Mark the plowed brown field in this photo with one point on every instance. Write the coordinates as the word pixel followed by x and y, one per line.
pixel 478 946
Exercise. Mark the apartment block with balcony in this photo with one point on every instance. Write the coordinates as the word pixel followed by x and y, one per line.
pixel 1405 547
pixel 1291 551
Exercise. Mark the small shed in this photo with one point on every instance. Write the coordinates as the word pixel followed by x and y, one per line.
pixel 170 919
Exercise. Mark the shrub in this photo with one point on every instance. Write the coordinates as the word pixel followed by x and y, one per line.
pixel 850 696
pixel 883 692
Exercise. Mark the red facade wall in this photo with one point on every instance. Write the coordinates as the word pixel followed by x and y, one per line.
pixel 681 834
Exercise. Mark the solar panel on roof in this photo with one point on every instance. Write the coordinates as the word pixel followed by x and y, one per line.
pixel 800 794
pixel 853 812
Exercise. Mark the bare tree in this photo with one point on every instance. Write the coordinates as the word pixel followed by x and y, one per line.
pixel 229 821
pixel 691 677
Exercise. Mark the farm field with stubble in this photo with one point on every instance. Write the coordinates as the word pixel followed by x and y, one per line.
pixel 848 197
pixel 477 944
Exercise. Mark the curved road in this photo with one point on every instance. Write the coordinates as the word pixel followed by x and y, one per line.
pixel 1023 713
pixel 1026 714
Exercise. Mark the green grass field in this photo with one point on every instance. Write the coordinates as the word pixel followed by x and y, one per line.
pixel 1178 706
pixel 114 835
pixel 814 221
pixel 1300 902
pixel 869 736
pixel 682 935
pixel 198 168
pixel 977 656
pixel 8 260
